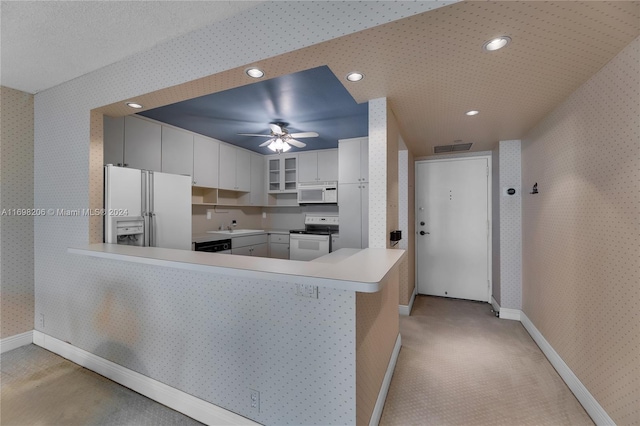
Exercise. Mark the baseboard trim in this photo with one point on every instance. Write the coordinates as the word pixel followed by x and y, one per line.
pixel 590 404
pixel 386 382
pixel 495 304
pixel 189 405
pixel 510 314
pixel 406 309
pixel 13 342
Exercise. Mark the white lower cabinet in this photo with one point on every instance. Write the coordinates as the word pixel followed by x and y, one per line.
pixel 250 245
pixel 279 246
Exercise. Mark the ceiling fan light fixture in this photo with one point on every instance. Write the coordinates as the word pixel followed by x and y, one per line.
pixel 254 72
pixel 278 145
pixel 355 76
pixel 496 43
pixel 134 105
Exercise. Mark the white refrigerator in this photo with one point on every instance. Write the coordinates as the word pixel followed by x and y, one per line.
pixel 160 201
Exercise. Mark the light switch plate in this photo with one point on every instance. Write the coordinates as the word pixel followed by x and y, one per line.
pixel 307 290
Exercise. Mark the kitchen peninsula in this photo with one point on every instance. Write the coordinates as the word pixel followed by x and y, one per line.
pixel 315 341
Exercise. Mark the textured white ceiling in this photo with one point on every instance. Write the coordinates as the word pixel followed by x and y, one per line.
pixel 45 43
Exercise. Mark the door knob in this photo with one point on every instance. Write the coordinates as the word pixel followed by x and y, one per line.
pixel 423 233
pixel 421 223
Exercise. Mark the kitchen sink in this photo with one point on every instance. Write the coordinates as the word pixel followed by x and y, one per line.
pixel 236 231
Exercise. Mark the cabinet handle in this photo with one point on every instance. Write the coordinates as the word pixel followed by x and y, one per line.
pixel 125 165
pixel 194 182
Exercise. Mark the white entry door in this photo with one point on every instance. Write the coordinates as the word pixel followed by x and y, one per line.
pixel 452 245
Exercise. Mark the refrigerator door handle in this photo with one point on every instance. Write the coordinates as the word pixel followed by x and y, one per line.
pixel 152 229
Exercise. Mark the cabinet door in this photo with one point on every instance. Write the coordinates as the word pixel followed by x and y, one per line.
pixel 242 251
pixel 227 169
pixel 327 165
pixel 177 151
pixel 279 251
pixel 260 250
pixel 307 167
pixel 206 154
pixel 273 174
pixel 142 144
pixel 349 161
pixel 243 170
pixel 290 169
pixel 364 159
pixel 257 196
pixel 113 141
pixel 350 214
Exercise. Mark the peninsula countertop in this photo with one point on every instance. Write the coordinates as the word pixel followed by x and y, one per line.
pixel 347 269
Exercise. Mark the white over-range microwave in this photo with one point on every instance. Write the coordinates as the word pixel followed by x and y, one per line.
pixel 318 193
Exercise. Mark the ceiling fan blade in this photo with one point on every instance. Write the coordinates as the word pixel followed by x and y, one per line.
pixel 276 129
pixel 296 143
pixel 305 135
pixel 266 143
pixel 253 134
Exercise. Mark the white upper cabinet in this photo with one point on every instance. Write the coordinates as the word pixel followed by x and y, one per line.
pixel 206 153
pixel 235 169
pixel 177 151
pixel 113 141
pixel 257 196
pixel 142 144
pixel 353 160
pixel 318 166
pixel 243 170
pixel 328 165
pixel 282 173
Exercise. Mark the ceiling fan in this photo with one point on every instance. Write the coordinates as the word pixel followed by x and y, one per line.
pixel 281 140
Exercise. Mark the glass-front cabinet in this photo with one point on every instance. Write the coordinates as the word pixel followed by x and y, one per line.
pixel 283 173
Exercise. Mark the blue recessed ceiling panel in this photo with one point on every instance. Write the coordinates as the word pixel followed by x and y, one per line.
pixel 308 101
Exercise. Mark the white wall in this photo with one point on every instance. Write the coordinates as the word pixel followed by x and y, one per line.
pixel 510 225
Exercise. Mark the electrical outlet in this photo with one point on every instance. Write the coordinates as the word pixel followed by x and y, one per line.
pixel 307 290
pixel 208 215
pixel 41 321
pixel 255 401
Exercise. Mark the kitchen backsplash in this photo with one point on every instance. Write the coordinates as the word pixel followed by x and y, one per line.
pixel 251 217
pixel 245 217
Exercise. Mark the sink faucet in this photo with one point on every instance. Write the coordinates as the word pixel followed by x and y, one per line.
pixel 233 225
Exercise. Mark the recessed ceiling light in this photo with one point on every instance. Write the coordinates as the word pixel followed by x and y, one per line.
pixel 472 112
pixel 134 105
pixel 254 72
pixel 496 43
pixel 355 76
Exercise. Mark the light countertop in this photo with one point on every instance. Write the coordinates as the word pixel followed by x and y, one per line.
pixel 214 236
pixel 346 269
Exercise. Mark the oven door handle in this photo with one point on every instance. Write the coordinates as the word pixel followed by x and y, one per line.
pixel 310 237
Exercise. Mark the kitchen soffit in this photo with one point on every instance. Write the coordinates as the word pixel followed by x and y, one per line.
pixel 307 101
pixel 432 69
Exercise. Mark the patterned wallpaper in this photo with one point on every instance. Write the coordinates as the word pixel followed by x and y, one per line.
pixel 406 223
pixel 581 263
pixel 16 192
pixel 377 329
pixel 378 173
pixel 510 226
pixel 69 292
pixel 495 223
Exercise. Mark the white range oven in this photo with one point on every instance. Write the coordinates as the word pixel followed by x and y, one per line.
pixel 315 239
